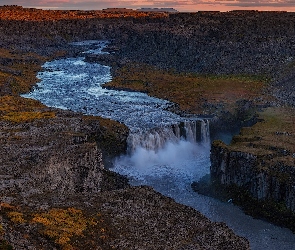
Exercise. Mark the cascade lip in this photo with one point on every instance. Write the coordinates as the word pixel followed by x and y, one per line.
pixel 198 117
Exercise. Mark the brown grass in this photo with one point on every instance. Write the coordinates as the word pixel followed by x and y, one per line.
pixel 190 91
pixel 273 135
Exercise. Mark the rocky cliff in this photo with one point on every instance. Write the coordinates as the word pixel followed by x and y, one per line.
pixel 250 172
pixel 258 166
pixel 54 155
pixel 56 194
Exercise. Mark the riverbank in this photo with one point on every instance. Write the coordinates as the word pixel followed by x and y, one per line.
pixel 52 167
pixel 235 96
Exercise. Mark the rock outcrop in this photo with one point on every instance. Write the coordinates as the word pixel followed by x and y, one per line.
pixel 58 155
pixel 254 173
pixel 54 167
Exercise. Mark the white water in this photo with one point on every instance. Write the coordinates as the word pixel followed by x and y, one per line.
pixel 163 149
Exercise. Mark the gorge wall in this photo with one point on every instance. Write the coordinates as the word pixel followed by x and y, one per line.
pixel 263 180
pixel 62 155
pixel 59 162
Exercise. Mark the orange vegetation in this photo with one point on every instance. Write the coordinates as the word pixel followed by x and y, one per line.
pixel 31 14
pixel 18 109
pixel 70 228
pixel 17 75
pixel 62 224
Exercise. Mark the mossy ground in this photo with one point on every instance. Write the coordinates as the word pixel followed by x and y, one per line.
pixel 194 93
pixel 16 77
pixel 271 138
pixel 273 135
pixel 69 227
pixel 66 228
pixel 19 70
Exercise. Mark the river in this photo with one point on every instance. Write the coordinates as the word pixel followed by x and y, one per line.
pixel 165 151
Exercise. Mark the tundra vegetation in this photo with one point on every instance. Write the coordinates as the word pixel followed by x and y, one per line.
pixel 192 92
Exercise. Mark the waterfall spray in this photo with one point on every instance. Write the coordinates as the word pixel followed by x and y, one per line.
pixel 179 151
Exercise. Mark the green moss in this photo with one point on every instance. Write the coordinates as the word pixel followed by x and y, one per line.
pixel 273 135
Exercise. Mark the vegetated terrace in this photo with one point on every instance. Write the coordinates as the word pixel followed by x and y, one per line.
pixel 273 135
pixel 200 94
pixel 194 93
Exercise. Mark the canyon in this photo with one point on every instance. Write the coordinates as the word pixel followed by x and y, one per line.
pixel 56 159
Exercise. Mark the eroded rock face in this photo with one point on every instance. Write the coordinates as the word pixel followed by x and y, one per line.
pixel 57 162
pixel 58 155
pixel 263 180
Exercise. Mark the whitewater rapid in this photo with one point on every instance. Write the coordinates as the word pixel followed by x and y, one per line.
pixel 165 151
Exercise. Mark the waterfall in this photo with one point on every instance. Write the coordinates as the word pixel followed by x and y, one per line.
pixel 205 131
pixel 154 139
pixel 151 139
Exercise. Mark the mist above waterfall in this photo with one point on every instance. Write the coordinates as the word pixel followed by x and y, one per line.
pixel 166 154
pixel 176 159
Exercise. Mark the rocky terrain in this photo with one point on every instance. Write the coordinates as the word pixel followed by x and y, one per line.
pixel 55 189
pixel 56 192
